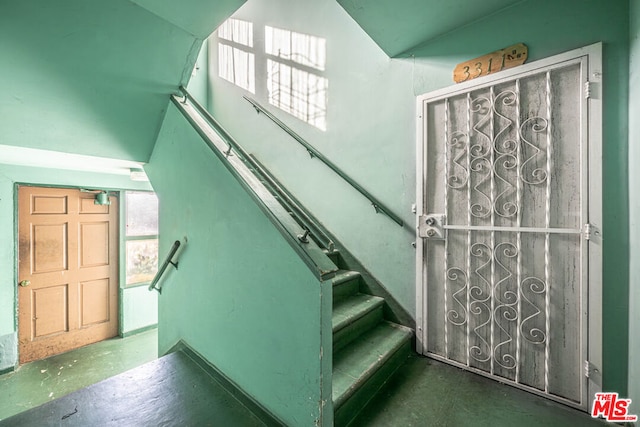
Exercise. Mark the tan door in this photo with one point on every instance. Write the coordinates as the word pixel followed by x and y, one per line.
pixel 68 271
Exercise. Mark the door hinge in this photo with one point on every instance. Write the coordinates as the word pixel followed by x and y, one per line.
pixel 589 369
pixel 587 89
pixel 590 231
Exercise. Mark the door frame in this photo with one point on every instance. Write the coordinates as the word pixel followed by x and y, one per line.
pixel 16 267
pixel 592 368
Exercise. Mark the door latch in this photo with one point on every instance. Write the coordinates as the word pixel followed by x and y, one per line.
pixel 432 226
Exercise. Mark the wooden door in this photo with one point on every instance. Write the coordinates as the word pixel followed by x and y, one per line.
pixel 68 271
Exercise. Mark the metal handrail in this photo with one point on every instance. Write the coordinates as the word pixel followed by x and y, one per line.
pixel 377 204
pixel 247 171
pixel 233 144
pixel 283 195
pixel 168 260
pixel 288 200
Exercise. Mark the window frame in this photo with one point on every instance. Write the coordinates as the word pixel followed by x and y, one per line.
pixel 237 46
pixel 127 238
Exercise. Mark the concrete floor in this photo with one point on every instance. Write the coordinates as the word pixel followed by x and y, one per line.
pixel 35 383
pixel 171 391
pixel 424 392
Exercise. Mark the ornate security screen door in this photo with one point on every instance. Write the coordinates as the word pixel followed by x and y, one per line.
pixel 509 216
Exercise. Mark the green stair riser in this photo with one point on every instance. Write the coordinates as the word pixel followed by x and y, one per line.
pixel 346 288
pixel 334 257
pixel 345 413
pixel 353 330
pixel 350 309
pixel 364 356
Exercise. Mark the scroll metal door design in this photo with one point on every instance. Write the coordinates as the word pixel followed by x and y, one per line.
pixel 504 221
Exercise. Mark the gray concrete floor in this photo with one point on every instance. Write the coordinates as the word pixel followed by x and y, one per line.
pixel 170 391
pixel 35 383
pixel 425 392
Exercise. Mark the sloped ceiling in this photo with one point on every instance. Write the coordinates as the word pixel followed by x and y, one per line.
pixel 398 25
pixel 193 16
pixel 92 77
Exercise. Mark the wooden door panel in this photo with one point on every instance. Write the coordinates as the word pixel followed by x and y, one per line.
pixel 50 310
pixel 46 205
pixel 49 247
pixel 68 251
pixel 94 244
pixel 94 302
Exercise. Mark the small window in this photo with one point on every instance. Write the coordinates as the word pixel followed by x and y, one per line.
pixel 236 62
pixel 294 81
pixel 141 237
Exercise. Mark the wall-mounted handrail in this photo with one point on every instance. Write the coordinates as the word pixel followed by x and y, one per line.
pixel 243 167
pixel 286 198
pixel 168 260
pixel 233 144
pixel 253 163
pixel 313 152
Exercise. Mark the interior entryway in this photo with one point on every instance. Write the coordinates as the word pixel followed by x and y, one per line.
pixel 509 203
pixel 68 270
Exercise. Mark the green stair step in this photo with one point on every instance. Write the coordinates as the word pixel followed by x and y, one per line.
pixel 335 257
pixel 345 283
pixel 360 369
pixel 353 316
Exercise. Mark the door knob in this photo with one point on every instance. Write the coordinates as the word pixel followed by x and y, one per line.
pixel 25 283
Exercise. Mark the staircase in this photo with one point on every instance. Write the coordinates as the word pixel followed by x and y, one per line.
pixel 367 347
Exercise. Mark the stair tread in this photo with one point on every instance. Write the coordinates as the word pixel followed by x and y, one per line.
pixel 344 276
pixel 352 308
pixel 357 362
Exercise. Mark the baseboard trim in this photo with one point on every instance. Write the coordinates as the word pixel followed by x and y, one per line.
pixel 7 370
pixel 139 331
pixel 249 402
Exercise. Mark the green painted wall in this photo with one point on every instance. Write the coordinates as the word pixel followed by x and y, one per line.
pixel 241 296
pixel 9 176
pixel 199 78
pixel 91 77
pixel 370 135
pixel 139 309
pixel 371 130
pixel 634 207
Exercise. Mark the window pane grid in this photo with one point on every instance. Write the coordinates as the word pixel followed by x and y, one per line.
pixel 141 237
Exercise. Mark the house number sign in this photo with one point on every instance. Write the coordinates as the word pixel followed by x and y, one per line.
pixel 499 60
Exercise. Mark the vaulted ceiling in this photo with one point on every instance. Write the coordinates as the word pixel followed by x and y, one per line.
pixel 398 25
